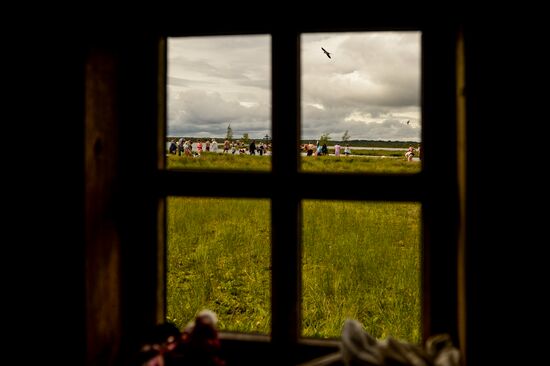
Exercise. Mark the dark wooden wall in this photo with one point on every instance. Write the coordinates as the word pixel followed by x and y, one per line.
pixel 80 248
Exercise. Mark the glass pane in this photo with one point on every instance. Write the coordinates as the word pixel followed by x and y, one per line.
pixel 218 258
pixel 219 103
pixel 362 260
pixel 361 102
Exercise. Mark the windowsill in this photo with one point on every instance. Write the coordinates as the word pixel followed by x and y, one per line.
pixel 248 349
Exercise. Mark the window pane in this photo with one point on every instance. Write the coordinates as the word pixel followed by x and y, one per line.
pixel 219 103
pixel 218 258
pixel 361 100
pixel 361 260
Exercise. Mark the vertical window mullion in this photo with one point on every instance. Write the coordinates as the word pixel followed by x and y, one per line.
pixel 162 103
pixel 286 226
pixel 440 202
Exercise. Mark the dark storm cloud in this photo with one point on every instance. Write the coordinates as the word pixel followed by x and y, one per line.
pixel 201 118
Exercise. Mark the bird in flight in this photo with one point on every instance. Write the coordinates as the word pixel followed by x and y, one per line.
pixel 408 121
pixel 326 52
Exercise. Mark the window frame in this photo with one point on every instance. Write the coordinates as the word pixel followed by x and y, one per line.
pixel 437 188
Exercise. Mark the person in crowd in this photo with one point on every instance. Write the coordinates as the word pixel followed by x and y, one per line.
pixel 337 148
pixel 180 146
pixel 310 148
pixel 173 147
pixel 199 147
pixel 410 153
pixel 188 148
pixel 324 149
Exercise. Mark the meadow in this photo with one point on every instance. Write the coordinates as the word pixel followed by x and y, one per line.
pixel 361 260
pixel 393 162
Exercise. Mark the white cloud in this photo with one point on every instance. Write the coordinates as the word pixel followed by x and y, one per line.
pixel 217 81
pixel 370 86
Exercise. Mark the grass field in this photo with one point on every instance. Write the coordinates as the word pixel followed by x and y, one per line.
pixel 352 164
pixel 361 260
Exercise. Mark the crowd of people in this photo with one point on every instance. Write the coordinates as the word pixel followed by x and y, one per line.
pixel 182 147
pixel 320 150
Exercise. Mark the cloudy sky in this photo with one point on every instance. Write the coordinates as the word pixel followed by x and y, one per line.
pixel 370 86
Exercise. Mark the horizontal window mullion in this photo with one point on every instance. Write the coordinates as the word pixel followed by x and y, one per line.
pixel 216 184
pixel 360 187
pixel 302 186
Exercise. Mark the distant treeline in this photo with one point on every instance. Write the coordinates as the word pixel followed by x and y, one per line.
pixel 356 143
pixel 368 143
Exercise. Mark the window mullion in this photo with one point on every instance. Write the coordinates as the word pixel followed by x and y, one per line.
pixel 286 225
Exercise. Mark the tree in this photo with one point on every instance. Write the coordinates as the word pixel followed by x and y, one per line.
pixel 229 135
pixel 325 137
pixel 246 139
pixel 345 137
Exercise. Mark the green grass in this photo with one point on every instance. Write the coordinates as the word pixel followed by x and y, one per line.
pixel 374 152
pixel 209 160
pixel 372 164
pixel 359 165
pixel 361 260
pixel 219 259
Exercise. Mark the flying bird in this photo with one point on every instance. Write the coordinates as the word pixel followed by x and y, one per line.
pixel 326 52
pixel 408 121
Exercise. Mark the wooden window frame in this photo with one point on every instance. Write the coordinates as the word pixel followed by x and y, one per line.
pixel 141 184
